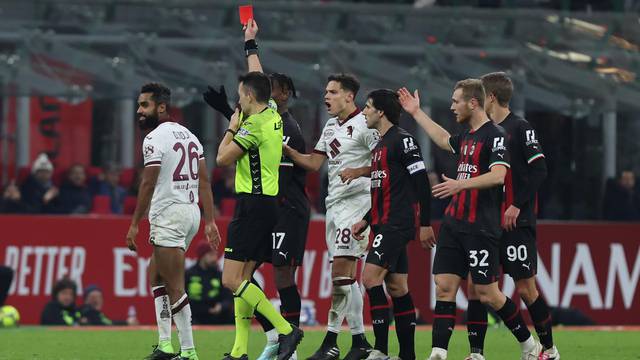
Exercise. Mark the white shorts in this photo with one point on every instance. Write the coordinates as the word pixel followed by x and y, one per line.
pixel 339 218
pixel 175 226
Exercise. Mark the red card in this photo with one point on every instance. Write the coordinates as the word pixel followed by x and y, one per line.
pixel 246 13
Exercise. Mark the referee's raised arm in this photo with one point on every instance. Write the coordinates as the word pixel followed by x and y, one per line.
pixel 251 46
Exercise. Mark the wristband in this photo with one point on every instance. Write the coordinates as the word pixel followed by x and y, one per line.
pixel 233 133
pixel 250 47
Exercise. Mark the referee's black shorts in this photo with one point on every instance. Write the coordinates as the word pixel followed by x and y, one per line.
pixel 249 233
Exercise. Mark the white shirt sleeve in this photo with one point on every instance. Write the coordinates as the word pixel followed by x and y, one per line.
pixel 152 151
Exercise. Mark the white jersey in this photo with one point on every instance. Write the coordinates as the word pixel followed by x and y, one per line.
pixel 177 151
pixel 347 145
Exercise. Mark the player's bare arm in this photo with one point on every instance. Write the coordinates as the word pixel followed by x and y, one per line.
pixel 229 151
pixel 450 187
pixel 250 32
pixel 427 237
pixel 145 192
pixel 350 174
pixel 358 228
pixel 206 198
pixel 309 162
pixel 411 104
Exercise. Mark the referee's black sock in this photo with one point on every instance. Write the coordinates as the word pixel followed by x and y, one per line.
pixel 290 304
pixel 379 307
pixel 511 317
pixel 539 311
pixel 405 315
pixel 444 320
pixel 266 324
pixel 476 325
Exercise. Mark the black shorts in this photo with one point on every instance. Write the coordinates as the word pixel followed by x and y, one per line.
pixel 288 239
pixel 519 253
pixel 249 233
pixel 461 253
pixel 389 249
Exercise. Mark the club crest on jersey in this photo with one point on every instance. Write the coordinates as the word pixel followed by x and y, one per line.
pixel 328 133
pixel 350 131
pixel 148 150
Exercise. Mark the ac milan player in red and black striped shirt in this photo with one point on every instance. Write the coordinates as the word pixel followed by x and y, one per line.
pixel 468 238
pixel 400 209
pixel 518 250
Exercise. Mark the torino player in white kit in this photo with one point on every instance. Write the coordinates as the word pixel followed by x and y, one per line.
pixel 347 143
pixel 173 180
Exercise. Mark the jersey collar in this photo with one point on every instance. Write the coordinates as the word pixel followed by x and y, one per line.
pixel 352 115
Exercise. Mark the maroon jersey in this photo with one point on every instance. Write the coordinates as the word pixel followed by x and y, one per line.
pixel 478 211
pixel 397 170
pixel 524 149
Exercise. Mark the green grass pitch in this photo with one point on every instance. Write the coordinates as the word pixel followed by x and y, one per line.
pixel 37 343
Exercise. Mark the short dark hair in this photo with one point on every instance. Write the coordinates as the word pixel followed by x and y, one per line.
pixel 348 82
pixel 387 101
pixel 160 94
pixel 500 85
pixel 471 89
pixel 259 85
pixel 62 284
pixel 285 82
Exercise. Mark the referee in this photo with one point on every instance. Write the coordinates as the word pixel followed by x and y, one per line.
pixel 254 142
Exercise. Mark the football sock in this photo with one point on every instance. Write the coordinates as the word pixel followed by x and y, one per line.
pixel 181 312
pixel 476 325
pixel 379 308
pixel 257 300
pixel 404 314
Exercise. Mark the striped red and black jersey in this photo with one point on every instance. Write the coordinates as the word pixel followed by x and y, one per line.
pixel 395 203
pixel 524 149
pixel 475 210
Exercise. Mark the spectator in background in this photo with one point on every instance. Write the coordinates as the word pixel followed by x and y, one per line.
pixel 74 194
pixel 91 311
pixel 224 187
pixel 109 185
pixel 61 310
pixel 622 198
pixel 211 303
pixel 11 202
pixel 135 184
pixel 39 195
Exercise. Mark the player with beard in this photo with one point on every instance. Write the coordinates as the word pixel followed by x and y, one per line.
pixel 173 181
pixel 290 232
pixel 518 250
pixel 468 242
pixel 347 143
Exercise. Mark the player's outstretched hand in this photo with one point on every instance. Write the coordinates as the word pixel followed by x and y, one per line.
pixel 427 237
pixel 250 30
pixel 410 103
pixel 510 217
pixel 131 237
pixel 358 228
pixel 348 175
pixel 448 187
pixel 212 235
pixel 218 101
